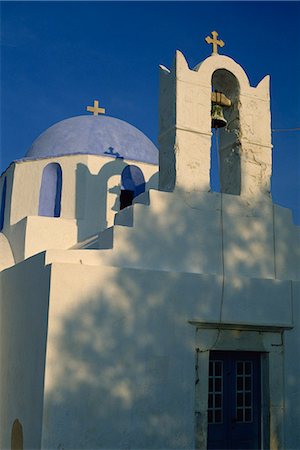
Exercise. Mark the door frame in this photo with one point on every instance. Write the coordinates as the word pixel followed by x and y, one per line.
pixel 269 342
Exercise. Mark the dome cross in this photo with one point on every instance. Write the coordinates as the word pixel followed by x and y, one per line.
pixel 95 109
pixel 215 42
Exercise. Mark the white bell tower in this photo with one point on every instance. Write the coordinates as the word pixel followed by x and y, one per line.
pixel 185 131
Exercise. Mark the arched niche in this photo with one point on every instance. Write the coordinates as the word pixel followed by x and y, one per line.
pixel 228 138
pixel 2 206
pixel 17 436
pixel 132 184
pixel 50 191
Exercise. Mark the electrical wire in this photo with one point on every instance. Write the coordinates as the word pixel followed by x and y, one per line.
pixel 283 130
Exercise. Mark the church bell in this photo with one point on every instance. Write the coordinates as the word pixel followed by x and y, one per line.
pixel 217 118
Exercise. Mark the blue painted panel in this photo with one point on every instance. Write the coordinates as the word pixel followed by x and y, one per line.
pixel 50 192
pixel 3 201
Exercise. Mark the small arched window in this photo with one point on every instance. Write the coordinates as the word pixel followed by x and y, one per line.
pixel 50 192
pixel 17 436
pixel 132 184
pixel 2 206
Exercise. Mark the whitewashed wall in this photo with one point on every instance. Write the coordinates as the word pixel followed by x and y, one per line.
pixel 122 334
pixel 24 291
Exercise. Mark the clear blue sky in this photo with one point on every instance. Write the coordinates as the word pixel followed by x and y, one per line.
pixel 57 57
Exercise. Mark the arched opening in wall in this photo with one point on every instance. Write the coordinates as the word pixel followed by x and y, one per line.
pixel 132 184
pixel 2 206
pixel 50 191
pixel 17 436
pixel 225 149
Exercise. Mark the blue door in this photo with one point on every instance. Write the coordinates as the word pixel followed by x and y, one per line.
pixel 234 401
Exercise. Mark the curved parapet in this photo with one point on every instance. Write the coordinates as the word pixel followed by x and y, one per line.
pixel 207 67
pixel 6 254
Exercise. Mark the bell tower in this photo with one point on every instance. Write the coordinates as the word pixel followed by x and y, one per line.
pixel 187 99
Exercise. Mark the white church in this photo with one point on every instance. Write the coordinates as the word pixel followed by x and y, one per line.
pixel 140 309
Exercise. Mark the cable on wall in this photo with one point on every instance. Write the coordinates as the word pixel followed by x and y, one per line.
pixel 283 130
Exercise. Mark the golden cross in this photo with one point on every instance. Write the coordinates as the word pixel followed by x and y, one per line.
pixel 215 42
pixel 95 109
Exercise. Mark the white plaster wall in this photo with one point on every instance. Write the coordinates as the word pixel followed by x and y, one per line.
pixel 82 182
pixel 120 353
pixel 110 383
pixel 24 291
pixel 27 183
pixel 205 233
pixel 90 190
pixel 35 234
pixel 48 232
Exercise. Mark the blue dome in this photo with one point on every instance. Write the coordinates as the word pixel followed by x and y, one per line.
pixel 96 135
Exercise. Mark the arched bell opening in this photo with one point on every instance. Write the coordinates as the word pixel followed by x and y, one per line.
pixel 50 192
pixel 225 158
pixel 132 184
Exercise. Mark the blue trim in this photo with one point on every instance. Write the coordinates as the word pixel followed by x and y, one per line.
pixel 3 201
pixel 57 206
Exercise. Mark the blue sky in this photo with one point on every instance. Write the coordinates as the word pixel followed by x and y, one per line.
pixel 57 57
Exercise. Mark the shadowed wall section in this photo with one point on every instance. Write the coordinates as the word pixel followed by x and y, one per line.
pixel 22 351
pixel 120 355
